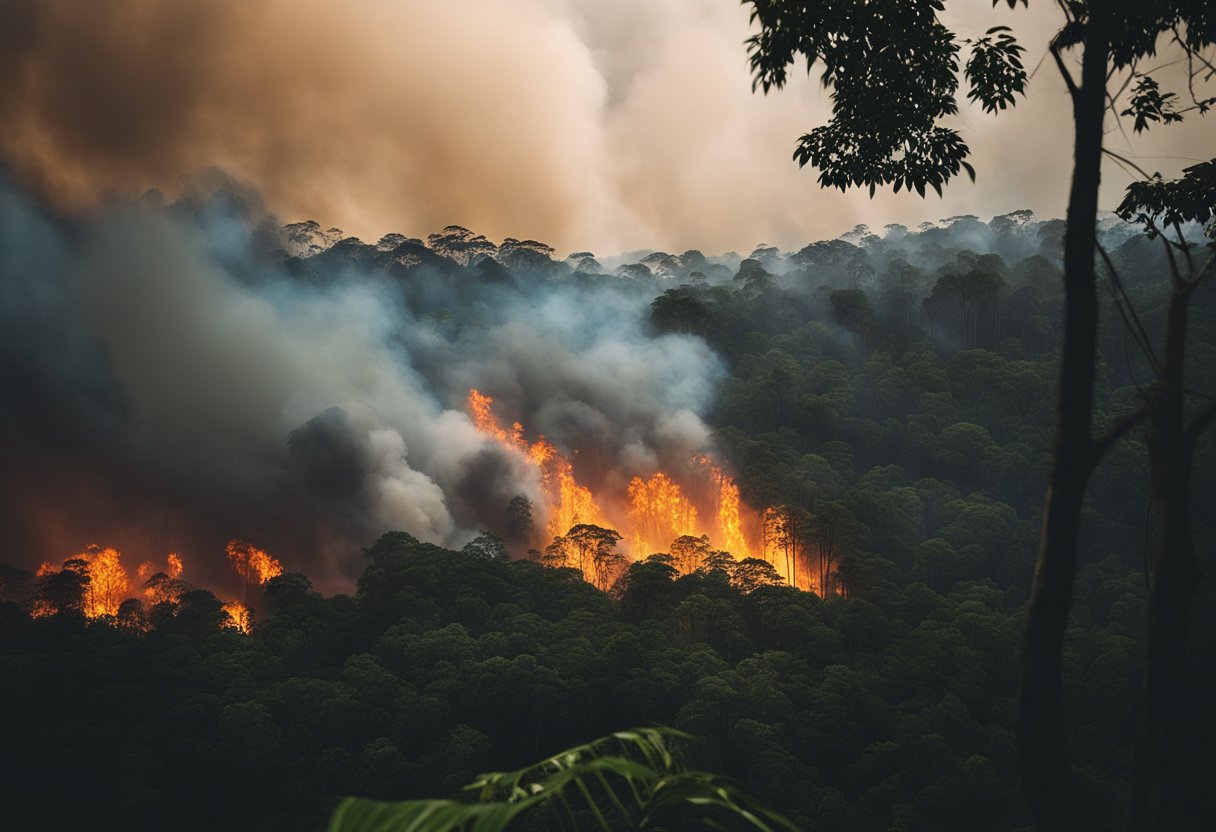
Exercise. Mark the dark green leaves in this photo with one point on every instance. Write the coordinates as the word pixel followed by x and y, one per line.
pixel 1155 203
pixel 995 71
pixel 892 69
pixel 632 779
pixel 1150 104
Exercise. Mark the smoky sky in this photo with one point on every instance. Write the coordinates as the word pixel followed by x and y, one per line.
pixel 586 124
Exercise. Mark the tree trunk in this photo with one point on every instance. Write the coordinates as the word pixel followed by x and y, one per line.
pixel 1160 739
pixel 1055 799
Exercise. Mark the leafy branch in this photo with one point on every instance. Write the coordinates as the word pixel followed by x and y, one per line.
pixel 630 780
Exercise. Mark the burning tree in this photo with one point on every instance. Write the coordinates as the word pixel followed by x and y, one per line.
pixel 251 563
pixel 689 553
pixel 590 549
pixel 521 527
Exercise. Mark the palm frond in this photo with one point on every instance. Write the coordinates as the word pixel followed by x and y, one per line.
pixel 630 779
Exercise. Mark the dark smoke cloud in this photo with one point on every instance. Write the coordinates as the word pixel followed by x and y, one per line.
pixel 580 122
pixel 171 382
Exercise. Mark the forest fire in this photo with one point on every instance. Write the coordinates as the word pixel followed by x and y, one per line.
pixel 252 563
pixel 689 520
pixel 95 582
pixel 239 617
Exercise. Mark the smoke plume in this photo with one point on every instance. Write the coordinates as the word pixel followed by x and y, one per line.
pixel 613 126
pixel 173 381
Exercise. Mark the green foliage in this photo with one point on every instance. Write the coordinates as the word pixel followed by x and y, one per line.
pixel 892 67
pixel 1156 204
pixel 631 779
pixel 995 69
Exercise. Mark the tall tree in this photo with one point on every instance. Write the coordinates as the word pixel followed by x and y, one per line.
pixel 1162 208
pixel 893 70
pixel 521 527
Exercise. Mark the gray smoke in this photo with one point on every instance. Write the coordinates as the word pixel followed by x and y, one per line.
pixel 172 381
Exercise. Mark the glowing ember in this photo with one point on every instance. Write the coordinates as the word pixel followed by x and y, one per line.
pixel 42 609
pixel 239 618
pixel 251 563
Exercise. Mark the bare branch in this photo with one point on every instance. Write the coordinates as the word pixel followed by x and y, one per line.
pixel 1114 433
pixel 1068 80
pixel 1126 161
pixel 1130 319
pixel 1175 274
pixel 1199 423
pixel 1208 268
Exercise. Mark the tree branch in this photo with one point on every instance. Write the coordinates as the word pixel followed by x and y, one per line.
pixel 1193 283
pixel 1068 81
pixel 1133 323
pixel 1197 425
pixel 1114 433
pixel 1126 161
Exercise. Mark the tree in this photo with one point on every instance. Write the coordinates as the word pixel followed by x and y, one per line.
pixel 785 538
pixel 590 549
pixel 1173 433
pixel 750 574
pixel 851 310
pixel 62 590
pixel 521 527
pixel 487 546
pixel 892 67
pixel 836 532
pixel 689 553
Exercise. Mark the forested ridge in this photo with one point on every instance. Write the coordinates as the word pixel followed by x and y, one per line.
pixel 890 393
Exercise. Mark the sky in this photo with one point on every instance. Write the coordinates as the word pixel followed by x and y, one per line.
pixel 589 125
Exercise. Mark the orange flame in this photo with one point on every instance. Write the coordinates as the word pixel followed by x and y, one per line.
pixel 567 503
pixel 659 513
pixel 730 526
pixel 109 584
pixel 653 513
pixel 108 581
pixel 251 563
pixel 239 618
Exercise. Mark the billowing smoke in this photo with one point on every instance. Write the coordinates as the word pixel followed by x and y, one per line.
pixel 173 379
pixel 610 125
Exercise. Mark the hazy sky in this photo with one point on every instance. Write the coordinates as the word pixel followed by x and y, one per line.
pixel 600 124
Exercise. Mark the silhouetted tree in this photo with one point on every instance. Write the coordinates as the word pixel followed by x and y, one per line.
pixel 892 67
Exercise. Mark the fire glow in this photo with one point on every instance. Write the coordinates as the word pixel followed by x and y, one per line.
pixel 655 512
pixel 107 586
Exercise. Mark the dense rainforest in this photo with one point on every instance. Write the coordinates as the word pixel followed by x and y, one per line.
pixel 889 392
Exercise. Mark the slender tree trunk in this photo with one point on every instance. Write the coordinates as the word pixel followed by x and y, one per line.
pixel 1055 799
pixel 1160 739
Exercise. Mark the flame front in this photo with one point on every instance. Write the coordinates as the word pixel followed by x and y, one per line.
pixel 251 563
pixel 658 513
pixel 108 581
pixel 655 511
pixel 103 584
